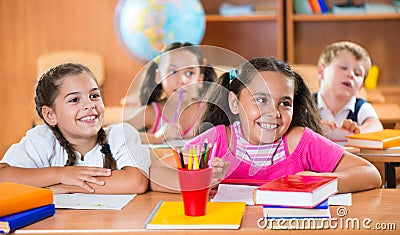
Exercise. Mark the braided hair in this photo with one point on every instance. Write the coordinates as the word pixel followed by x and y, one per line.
pixel 48 89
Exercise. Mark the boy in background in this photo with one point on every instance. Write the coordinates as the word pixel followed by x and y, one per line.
pixel 342 68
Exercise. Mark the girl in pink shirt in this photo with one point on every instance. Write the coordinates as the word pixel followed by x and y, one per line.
pixel 266 125
pixel 172 84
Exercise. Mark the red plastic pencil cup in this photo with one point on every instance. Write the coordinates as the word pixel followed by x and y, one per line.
pixel 195 187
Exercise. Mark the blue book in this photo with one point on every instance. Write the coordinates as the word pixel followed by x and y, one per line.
pixel 319 211
pixel 323 6
pixel 10 223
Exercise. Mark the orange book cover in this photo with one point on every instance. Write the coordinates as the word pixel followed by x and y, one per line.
pixel 384 139
pixel 18 197
pixel 315 6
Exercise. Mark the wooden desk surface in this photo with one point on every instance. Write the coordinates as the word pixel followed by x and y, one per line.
pixel 388 113
pixel 379 205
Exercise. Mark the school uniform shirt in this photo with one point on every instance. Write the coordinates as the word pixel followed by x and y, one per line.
pixel 40 148
pixel 313 153
pixel 338 135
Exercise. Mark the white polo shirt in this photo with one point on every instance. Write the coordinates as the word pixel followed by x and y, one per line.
pixel 40 148
pixel 338 135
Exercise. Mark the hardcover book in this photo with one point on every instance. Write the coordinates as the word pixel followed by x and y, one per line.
pixel 384 139
pixel 18 197
pixel 296 191
pixel 220 215
pixel 12 222
pixel 319 211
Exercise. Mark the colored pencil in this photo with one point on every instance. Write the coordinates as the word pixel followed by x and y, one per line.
pixel 178 104
pixel 212 156
pixel 190 158
pixel 181 158
pixel 177 159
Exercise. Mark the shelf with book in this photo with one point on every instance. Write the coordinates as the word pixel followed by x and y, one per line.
pixel 335 17
pixel 308 34
pixel 249 35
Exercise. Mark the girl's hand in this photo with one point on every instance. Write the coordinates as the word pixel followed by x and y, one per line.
pixel 307 173
pixel 170 131
pixel 220 167
pixel 351 126
pixel 81 175
pixel 62 188
pixel 313 173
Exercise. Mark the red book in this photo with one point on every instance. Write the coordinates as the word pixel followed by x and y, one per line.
pixel 296 191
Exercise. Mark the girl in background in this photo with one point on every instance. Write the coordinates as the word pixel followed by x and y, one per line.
pixel 265 125
pixel 72 152
pixel 172 83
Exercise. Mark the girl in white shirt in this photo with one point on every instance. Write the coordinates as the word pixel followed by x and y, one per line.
pixel 72 152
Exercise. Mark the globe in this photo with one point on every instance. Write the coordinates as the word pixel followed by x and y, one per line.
pixel 144 27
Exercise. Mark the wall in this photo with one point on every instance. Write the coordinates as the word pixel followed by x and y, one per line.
pixel 29 28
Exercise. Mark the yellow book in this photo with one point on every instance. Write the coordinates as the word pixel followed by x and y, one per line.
pixel 384 139
pixel 220 215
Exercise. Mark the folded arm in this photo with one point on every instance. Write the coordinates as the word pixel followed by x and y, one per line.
pixel 78 179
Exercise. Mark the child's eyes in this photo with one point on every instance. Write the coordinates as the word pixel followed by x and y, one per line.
pixel 189 73
pixel 94 96
pixel 73 100
pixel 286 104
pixel 261 100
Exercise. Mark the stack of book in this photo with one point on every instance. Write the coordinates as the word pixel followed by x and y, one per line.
pixel 387 138
pixel 21 205
pixel 296 197
pixel 310 6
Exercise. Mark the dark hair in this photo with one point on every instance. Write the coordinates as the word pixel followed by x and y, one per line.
pixel 47 90
pixel 150 91
pixel 217 111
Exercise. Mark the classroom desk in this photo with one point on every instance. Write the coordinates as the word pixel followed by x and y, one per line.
pixel 388 113
pixel 390 162
pixel 373 95
pixel 380 205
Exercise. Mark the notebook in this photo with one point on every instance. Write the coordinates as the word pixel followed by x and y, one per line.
pixel 220 215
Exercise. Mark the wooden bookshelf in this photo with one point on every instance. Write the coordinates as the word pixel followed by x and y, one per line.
pixel 259 34
pixel 308 35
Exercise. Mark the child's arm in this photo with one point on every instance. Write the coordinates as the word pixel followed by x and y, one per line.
pixel 369 125
pixel 163 173
pixel 164 176
pixel 355 174
pixel 72 179
pixel 128 180
pixel 144 118
pixel 47 176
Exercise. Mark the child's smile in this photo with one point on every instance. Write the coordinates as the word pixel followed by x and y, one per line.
pixel 265 114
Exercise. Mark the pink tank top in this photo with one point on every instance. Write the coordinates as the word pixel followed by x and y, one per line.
pixel 161 120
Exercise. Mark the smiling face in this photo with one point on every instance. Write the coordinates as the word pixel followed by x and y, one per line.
pixel 78 110
pixel 343 77
pixel 265 107
pixel 177 69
